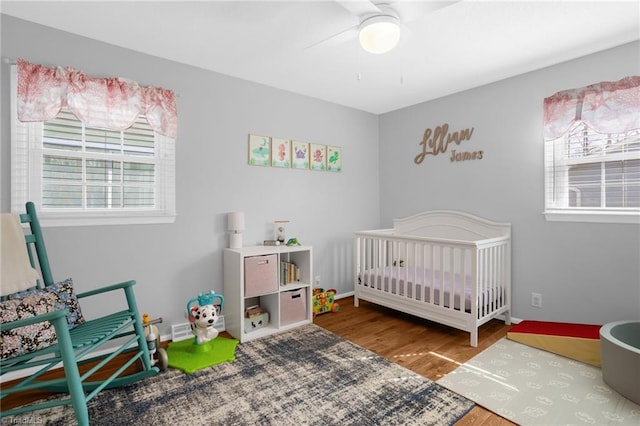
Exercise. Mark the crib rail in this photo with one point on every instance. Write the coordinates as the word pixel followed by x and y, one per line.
pixel 461 283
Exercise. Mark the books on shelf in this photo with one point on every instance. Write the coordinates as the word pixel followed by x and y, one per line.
pixel 289 273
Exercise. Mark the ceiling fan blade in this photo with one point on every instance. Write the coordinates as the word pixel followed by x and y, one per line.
pixel 413 10
pixel 341 37
pixel 359 7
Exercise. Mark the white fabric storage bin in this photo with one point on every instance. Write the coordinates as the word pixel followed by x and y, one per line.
pixel 260 275
pixel 293 306
pixel 256 322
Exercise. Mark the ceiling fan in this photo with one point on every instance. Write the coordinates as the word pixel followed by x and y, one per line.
pixel 381 22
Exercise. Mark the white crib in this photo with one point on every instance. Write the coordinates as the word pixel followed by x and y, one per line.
pixel 448 267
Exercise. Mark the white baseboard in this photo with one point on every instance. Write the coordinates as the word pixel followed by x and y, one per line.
pixel 13 375
pixel 183 331
pixel 29 371
pixel 220 326
pixel 514 320
pixel 344 295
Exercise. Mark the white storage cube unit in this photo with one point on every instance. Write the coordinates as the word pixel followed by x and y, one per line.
pixel 252 278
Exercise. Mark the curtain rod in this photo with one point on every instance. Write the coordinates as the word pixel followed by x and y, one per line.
pixel 11 61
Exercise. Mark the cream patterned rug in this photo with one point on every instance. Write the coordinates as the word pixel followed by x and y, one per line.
pixel 306 376
pixel 530 386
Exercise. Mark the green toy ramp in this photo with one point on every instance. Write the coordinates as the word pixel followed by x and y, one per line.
pixel 190 357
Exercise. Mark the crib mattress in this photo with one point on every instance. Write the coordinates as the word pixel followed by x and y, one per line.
pixel 416 283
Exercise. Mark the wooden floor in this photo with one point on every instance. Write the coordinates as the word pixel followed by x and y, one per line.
pixel 429 349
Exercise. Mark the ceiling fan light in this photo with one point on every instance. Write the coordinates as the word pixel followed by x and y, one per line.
pixel 379 34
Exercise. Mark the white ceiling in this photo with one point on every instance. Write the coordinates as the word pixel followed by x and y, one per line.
pixel 463 45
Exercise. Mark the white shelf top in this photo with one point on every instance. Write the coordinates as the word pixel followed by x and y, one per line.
pixel 260 250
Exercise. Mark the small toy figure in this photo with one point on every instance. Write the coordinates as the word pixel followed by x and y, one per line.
pixel 204 316
pixel 203 320
pixel 324 301
pixel 293 242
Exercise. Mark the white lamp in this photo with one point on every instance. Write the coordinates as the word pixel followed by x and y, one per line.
pixel 235 226
pixel 379 33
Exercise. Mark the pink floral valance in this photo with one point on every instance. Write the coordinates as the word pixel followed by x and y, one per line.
pixel 106 103
pixel 606 107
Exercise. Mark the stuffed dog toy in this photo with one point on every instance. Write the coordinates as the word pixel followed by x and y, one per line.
pixel 203 320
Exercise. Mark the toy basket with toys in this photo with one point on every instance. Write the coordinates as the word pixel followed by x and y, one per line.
pixel 324 301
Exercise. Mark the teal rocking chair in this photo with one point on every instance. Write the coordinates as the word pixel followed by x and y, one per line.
pixel 75 346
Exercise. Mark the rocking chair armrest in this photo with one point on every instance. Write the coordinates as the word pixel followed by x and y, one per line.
pixel 122 285
pixel 49 316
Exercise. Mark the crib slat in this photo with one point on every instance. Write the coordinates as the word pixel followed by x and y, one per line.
pixel 379 259
pixel 481 272
pixel 483 285
pixel 487 284
pixel 463 280
pixel 452 278
pixel 502 275
pixel 494 278
pixel 403 270
pixel 475 274
pixel 413 261
pixel 434 268
pixel 423 281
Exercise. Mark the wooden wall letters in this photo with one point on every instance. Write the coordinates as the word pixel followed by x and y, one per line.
pixel 436 141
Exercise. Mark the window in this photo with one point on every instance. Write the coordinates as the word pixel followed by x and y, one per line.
pixel 592 172
pixel 588 173
pixel 83 175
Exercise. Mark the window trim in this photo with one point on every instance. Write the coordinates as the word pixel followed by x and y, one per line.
pixel 26 180
pixel 592 216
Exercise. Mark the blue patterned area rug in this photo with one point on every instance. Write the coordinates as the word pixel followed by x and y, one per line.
pixel 301 377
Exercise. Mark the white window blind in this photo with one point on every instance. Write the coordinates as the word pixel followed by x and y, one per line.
pixel 79 175
pixel 592 176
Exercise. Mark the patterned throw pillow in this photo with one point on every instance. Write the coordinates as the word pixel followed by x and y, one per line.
pixel 22 340
pixel 64 295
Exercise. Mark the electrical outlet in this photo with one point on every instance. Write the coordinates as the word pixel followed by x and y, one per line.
pixel 317 281
pixel 536 300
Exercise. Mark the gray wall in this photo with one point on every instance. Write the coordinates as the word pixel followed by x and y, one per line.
pixel 586 272
pixel 173 263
